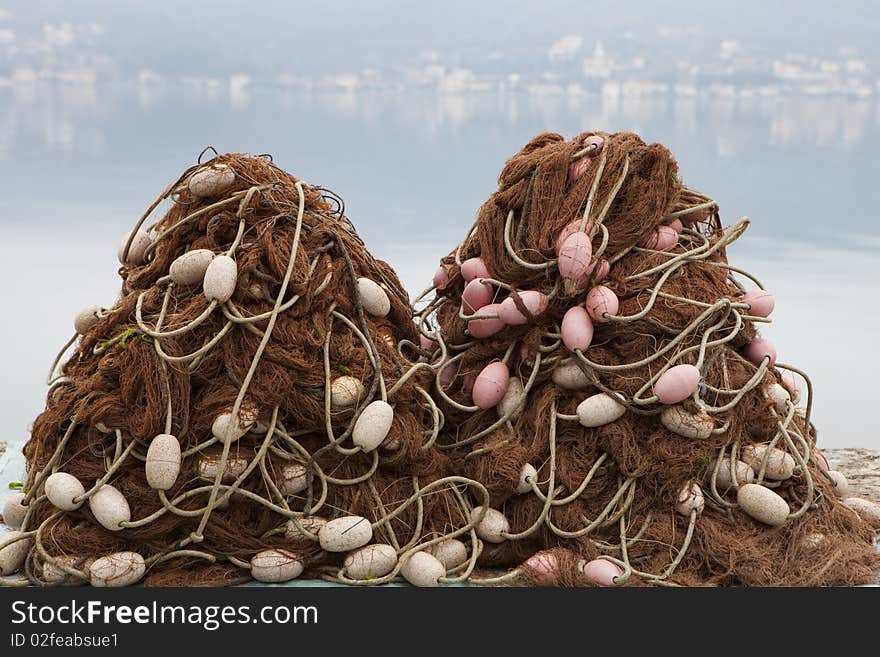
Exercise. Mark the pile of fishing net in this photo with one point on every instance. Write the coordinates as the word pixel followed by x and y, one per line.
pixel 252 406
pixel 600 369
pixel 584 399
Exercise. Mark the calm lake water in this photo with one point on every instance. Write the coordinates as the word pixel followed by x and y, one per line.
pixel 79 165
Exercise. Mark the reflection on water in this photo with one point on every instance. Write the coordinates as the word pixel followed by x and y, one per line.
pixel 80 164
pixel 739 123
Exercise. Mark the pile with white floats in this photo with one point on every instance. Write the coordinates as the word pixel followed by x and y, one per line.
pixel 252 406
pixel 584 401
pixel 598 363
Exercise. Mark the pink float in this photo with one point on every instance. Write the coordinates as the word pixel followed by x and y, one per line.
pixel 490 385
pixel 474 268
pixel 759 349
pixel 602 572
pixel 667 238
pixel 601 300
pixel 476 295
pixel 574 256
pixel 483 328
pixel 570 229
pixel 601 271
pixel 534 301
pixel 677 384
pixel 441 277
pixel 544 568
pixel 761 302
pixel 577 329
pixel 820 460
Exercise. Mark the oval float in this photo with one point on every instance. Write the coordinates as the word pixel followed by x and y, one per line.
pixel 474 268
pixel 110 507
pixel 208 465
pixel 228 428
pixel 273 566
pixel 484 328
pixel 759 349
pixel 543 567
pixel 779 396
pixel 373 298
pixel 86 319
pixel 780 464
pixel 577 329
pixel 441 277
pixel 372 425
pixel 137 250
pixel 493 526
pixel 602 572
pixel 12 556
pixel 575 253
pixel 527 475
pixel 190 268
pixel 690 498
pixel 667 238
pixel 491 385
pixel 475 296
pixel 117 569
pixel 513 401
pixel 601 271
pixel 163 461
pixel 570 229
pixel 62 489
pixel 569 376
pixel 761 302
pixel 677 384
pixel 303 527
pixel 345 391
pixel 534 301
pixel 345 534
pixel 54 574
pixel 14 511
pixel 599 410
pixel 742 471
pixel 602 303
pixel 820 460
pixel 294 479
pixel 423 569
pixel 211 181
pixel 689 425
pixel 840 484
pixel 450 552
pixel 763 504
pixel 370 562
pixel 220 280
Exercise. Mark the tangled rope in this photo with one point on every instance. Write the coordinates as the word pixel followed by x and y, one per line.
pixel 250 407
pixel 600 369
pixel 584 400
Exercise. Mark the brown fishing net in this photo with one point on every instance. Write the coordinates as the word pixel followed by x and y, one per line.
pixel 612 394
pixel 584 400
pixel 251 399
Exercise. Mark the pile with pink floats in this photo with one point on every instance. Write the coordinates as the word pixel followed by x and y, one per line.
pixel 601 372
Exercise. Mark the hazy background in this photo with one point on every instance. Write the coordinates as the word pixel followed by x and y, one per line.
pixel 409 110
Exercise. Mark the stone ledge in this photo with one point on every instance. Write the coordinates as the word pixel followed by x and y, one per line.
pixel 861 467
